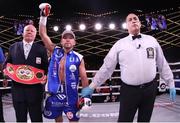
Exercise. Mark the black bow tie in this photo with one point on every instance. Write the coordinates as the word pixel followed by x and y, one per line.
pixel 136 36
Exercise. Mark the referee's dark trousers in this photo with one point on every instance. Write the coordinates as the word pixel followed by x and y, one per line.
pixel 137 98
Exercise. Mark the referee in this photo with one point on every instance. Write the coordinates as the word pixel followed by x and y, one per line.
pixel 138 56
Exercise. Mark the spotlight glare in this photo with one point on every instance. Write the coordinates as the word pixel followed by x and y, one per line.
pixel 82 27
pixel 124 26
pixel 68 27
pixel 55 28
pixel 111 26
pixel 98 26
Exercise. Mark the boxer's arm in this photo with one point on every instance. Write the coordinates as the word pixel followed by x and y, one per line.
pixel 83 75
pixel 85 92
pixel 45 10
pixel 85 101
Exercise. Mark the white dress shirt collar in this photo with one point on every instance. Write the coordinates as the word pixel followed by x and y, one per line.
pixel 24 42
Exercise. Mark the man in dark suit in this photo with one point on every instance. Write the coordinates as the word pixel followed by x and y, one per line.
pixel 27 98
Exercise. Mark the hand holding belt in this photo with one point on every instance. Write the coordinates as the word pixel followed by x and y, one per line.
pixel 24 74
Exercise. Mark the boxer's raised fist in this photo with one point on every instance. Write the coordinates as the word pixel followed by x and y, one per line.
pixel 45 9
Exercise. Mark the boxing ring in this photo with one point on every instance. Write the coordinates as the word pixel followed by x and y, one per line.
pixel 108 112
pixel 105 109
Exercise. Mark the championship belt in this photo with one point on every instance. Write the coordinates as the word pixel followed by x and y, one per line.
pixel 84 103
pixel 24 74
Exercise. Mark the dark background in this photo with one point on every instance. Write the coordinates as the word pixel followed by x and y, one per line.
pixel 68 10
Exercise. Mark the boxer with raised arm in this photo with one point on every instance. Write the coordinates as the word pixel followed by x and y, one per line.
pixel 66 65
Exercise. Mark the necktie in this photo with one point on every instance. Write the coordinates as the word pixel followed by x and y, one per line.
pixel 136 36
pixel 26 50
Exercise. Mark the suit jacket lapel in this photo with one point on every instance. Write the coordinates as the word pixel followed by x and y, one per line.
pixel 31 50
pixel 21 49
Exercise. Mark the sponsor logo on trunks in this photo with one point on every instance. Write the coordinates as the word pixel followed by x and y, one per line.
pixel 47 113
pixel 69 115
pixel 78 114
pixel 57 104
pixel 61 96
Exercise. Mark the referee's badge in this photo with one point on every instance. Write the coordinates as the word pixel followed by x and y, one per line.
pixel 150 52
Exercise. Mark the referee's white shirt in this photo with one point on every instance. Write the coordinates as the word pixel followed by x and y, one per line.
pixel 138 61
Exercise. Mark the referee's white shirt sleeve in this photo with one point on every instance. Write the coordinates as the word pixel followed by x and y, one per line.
pixel 108 67
pixel 163 67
